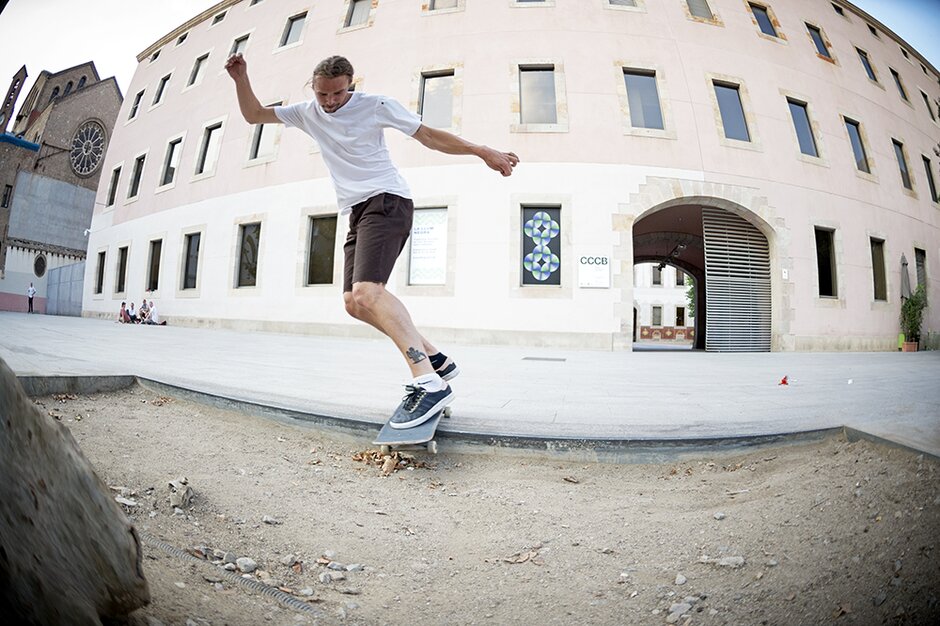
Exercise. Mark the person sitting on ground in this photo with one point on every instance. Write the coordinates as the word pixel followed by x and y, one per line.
pixel 123 316
pixel 143 312
pixel 152 316
pixel 132 315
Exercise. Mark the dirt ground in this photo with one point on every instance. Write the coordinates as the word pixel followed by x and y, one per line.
pixel 827 532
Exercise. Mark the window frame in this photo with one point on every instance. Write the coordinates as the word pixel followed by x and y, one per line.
pixel 113 183
pixel 335 275
pixel 878 270
pixel 824 41
pixel 241 227
pixel 283 43
pixel 904 168
pixel 747 109
pixel 830 234
pixel 141 158
pixel 198 72
pixel 202 153
pixel 153 281
pixel 423 77
pixel 804 106
pixel 177 140
pixel 349 12
pixel 159 97
pixel 186 234
pixel 520 66
pixel 771 18
pixel 120 269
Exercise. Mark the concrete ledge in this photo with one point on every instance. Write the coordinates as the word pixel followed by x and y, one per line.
pixel 853 435
pixel 575 449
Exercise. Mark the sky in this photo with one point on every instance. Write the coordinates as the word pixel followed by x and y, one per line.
pixel 57 34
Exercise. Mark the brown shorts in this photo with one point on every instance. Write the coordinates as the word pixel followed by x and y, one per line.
pixel 378 230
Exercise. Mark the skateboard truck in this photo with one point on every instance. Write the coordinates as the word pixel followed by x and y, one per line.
pixel 420 437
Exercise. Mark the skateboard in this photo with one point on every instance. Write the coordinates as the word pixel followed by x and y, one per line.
pixel 418 437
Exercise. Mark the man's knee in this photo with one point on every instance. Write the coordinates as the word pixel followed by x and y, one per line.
pixel 351 307
pixel 366 295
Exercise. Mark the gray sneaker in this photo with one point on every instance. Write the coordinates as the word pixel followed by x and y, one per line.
pixel 419 405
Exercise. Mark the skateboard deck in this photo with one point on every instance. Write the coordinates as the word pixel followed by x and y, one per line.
pixel 420 435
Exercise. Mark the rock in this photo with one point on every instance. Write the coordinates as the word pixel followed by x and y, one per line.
pixel 680 607
pixel 246 564
pixel 229 557
pixel 231 567
pixel 329 554
pixel 334 565
pixel 306 591
pixel 125 501
pixel 719 516
pixel 690 600
pixel 69 554
pixel 680 579
pixel 772 563
pixel 181 494
pixel 266 578
pixel 354 567
pixel 713 611
pixel 267 519
pixel 289 560
pixel 880 598
pixel 325 578
pixel 338 576
pixel 733 562
pixel 180 585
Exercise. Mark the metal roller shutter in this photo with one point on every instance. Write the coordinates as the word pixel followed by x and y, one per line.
pixel 737 279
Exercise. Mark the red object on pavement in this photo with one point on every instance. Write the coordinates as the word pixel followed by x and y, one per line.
pixel 783 381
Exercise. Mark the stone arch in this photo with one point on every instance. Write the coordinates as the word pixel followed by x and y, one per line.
pixel 662 193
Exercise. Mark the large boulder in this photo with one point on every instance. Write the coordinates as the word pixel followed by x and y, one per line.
pixel 68 554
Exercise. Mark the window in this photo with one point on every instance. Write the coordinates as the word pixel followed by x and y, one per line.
pixel 541 245
pixel 817 36
pixel 537 95
pixel 209 150
pixel 55 94
pixel 320 255
pixel 112 187
pixel 932 186
pixel 643 99
pixel 181 38
pixel 436 104
pixel 878 268
pixel 191 265
pixel 826 262
pixel 199 70
pixel 172 161
pixel 263 140
pixel 121 278
pixel 153 275
pixel 680 316
pixel 804 130
pixel 732 112
pixel 902 164
pixel 873 31
pixel 218 18
pixel 161 87
pixel 99 273
pixel 39 266
pixel 838 9
pixel 927 104
pixel 358 13
pixel 249 244
pixel 897 82
pixel 239 45
pixel 680 278
pixel 154 56
pixel 442 4
pixel 134 187
pixel 700 8
pixel 855 136
pixel 427 255
pixel 622 3
pixel 906 55
pixel 68 88
pixel 866 63
pixel 254 2
pixel 920 263
pixel 657 275
pixel 763 20
pixel 81 82
pixel 293 29
pixel 136 105
pixel 7 196
pixel 657 316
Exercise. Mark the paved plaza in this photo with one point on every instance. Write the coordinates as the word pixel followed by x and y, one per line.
pixel 510 391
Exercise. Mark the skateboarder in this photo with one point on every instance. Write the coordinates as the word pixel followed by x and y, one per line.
pixel 349 128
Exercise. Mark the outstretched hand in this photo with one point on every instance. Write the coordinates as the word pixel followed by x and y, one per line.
pixel 502 162
pixel 236 66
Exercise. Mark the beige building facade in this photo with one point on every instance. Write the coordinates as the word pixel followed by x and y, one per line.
pixel 782 154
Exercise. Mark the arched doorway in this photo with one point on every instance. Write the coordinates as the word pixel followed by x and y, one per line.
pixel 727 257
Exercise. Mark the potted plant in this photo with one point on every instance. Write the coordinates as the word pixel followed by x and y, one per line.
pixel 912 315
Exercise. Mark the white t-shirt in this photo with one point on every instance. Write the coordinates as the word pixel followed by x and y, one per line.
pixel 30 291
pixel 353 143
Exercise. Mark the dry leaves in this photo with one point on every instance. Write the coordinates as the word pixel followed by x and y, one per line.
pixel 161 401
pixel 531 556
pixel 388 463
pixel 62 398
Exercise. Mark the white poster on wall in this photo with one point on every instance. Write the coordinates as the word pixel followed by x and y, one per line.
pixel 428 257
pixel 594 271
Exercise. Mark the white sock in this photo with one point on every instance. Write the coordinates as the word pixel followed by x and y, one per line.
pixel 430 382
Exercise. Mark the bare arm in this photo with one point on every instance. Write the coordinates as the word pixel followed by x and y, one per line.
pixel 251 108
pixel 445 142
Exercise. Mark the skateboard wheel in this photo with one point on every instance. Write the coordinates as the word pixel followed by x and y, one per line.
pixel 385 450
pixel 432 447
pixel 448 411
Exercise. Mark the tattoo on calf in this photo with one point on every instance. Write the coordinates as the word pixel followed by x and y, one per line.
pixel 415 355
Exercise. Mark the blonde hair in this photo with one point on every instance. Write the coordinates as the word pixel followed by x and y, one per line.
pixel 334 66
